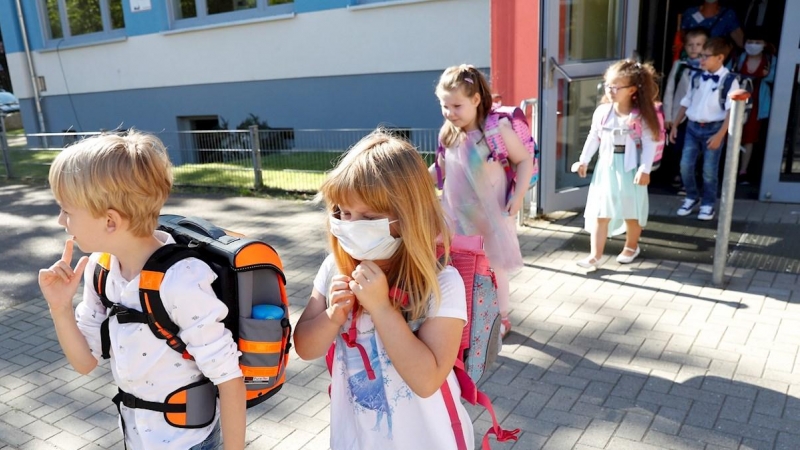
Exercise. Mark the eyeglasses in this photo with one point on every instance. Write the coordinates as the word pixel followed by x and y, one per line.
pixel 613 89
pixel 705 56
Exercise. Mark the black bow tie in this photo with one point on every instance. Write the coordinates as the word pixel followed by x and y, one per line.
pixel 708 76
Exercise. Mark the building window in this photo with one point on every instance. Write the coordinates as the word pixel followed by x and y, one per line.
pixel 199 12
pixel 72 18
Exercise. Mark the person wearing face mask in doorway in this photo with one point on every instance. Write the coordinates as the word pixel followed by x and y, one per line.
pixel 758 64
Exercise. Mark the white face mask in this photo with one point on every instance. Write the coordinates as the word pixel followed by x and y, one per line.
pixel 365 240
pixel 753 48
pixel 496 105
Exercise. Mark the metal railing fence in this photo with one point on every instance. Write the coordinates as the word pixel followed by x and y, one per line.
pixel 283 160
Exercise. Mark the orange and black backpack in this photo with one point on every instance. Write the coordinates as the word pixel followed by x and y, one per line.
pixel 249 273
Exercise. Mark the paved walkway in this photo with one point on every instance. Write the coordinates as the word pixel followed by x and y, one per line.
pixel 643 356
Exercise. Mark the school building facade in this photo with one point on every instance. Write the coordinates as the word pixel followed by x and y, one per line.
pixel 181 64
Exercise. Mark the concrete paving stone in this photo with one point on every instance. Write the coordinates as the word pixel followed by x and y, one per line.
pixel 670 441
pixel 37 444
pixel 64 411
pixel 103 420
pixel 24 404
pixel 305 423
pixel 597 411
pixel 745 430
pixel 524 423
pixel 710 436
pixel 13 436
pixel 594 358
pixel 40 429
pixel 752 444
pixel 564 437
pixel 295 441
pixel 17 419
pixel 629 386
pixel 787 441
pixel 313 406
pixel 657 384
pixel 736 409
pixel 769 403
pixel 622 355
pixel 564 398
pixel 633 426
pixel 722 386
pixel 563 418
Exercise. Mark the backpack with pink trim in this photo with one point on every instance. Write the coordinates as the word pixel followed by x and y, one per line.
pixel 480 339
pixel 499 152
pixel 637 130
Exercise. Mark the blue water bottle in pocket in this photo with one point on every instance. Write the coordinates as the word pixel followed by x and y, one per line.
pixel 267 312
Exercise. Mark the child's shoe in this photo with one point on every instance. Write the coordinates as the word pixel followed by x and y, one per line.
pixel 706 213
pixel 590 262
pixel 622 258
pixel 505 327
pixel 687 206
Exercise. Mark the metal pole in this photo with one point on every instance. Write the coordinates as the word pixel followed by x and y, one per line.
pixel 528 204
pixel 34 83
pixel 4 145
pixel 255 143
pixel 738 99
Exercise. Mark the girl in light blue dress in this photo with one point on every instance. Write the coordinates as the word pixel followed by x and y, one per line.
pixel 617 200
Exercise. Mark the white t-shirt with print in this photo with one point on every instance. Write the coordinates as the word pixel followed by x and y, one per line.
pixel 385 413
pixel 144 365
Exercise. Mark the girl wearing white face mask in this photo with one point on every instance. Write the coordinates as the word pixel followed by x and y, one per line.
pixel 409 311
pixel 758 64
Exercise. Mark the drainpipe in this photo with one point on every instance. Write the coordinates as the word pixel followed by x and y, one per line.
pixel 34 83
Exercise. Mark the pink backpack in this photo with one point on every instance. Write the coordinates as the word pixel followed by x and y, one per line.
pixel 480 340
pixel 636 127
pixel 499 152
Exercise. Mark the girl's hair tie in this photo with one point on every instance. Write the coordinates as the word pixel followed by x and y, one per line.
pixel 469 80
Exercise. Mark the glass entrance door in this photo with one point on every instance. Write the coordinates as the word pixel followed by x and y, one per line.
pixel 581 38
pixel 780 179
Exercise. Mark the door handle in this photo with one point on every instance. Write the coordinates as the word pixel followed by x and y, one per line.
pixel 553 67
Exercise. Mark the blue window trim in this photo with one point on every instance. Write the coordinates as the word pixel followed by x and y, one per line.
pixel 262 11
pixel 369 4
pixel 83 40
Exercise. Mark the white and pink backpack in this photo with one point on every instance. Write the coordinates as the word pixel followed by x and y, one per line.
pixel 480 340
pixel 635 123
pixel 499 152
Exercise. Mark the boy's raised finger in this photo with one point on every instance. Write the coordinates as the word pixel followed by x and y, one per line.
pixel 66 255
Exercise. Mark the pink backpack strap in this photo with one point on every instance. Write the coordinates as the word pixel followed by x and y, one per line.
pixel 350 340
pixel 455 422
pixel 470 393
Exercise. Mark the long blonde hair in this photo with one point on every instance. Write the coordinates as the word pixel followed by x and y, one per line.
pixel 470 81
pixel 388 175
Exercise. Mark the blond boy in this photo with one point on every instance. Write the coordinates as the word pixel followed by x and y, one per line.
pixel 111 189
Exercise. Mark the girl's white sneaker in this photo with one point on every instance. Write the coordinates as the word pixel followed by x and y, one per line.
pixel 624 259
pixel 590 262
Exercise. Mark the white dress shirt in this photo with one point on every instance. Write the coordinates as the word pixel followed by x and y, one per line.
pixel 702 99
pixel 146 366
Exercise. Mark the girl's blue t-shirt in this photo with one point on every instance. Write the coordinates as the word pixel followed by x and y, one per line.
pixel 727 23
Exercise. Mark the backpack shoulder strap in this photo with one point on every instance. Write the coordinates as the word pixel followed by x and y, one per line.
pixel 727 82
pixel 100 278
pixel 606 114
pixel 439 177
pixel 150 281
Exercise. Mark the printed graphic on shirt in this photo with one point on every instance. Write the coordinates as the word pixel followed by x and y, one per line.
pixel 371 397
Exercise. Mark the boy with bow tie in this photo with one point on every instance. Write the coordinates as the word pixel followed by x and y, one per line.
pixel 706 130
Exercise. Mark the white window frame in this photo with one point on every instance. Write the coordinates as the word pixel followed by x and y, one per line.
pixel 262 10
pixel 105 16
